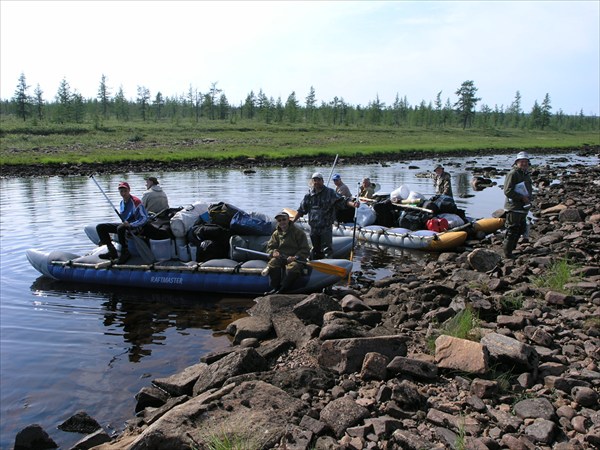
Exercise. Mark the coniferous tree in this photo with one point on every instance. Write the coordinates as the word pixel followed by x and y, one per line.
pixel 546 114
pixel 78 107
pixel 535 117
pixel 465 106
pixel 143 97
pixel 121 107
pixel 311 101
pixel 158 105
pixel 249 108
pixel 515 111
pixel 38 102
pixel 213 93
pixel 63 100
pixel 223 107
pixel 21 98
pixel 104 96
pixel 279 110
pixel 291 107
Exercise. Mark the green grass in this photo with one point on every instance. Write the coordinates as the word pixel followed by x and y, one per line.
pixel 463 325
pixel 112 141
pixel 559 274
pixel 510 303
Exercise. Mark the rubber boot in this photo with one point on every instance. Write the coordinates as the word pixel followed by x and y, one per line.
pixel 288 282
pixel 510 243
pixel 111 254
pixel 125 255
pixel 274 281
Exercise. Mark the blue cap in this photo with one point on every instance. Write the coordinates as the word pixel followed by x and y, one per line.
pixel 337 176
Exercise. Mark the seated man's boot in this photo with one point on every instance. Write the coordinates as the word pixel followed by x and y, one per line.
pixel 288 282
pixel 274 281
pixel 125 255
pixel 111 254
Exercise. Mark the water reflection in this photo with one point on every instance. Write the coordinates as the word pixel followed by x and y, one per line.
pixel 143 317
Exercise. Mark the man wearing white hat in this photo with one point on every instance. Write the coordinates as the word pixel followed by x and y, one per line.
pixel 321 204
pixel 518 191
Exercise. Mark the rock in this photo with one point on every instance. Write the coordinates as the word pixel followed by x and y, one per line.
pixel 250 327
pixel 534 408
pixel 347 355
pixel 412 367
pixel 94 439
pixel 313 307
pixel 342 413
pixel 80 422
pixel 585 396
pixel 483 260
pixel 182 383
pixel 374 366
pixel 33 437
pixel 511 351
pixel 460 354
pixel 541 430
pixel 571 215
pixel 150 396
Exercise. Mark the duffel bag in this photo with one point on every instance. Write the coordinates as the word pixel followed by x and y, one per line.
pixel 437 224
pixel 413 220
pixel 257 224
pixel 221 213
pixel 183 220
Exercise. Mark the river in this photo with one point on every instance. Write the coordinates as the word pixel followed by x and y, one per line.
pixel 67 348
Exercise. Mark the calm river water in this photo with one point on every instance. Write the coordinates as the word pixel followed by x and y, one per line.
pixel 66 348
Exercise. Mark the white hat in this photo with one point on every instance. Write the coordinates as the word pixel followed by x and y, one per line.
pixel 522 155
pixel 317 175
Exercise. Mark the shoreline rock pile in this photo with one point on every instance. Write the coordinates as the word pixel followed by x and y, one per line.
pixel 378 367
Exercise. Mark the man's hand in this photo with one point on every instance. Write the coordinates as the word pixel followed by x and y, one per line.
pixel 290 259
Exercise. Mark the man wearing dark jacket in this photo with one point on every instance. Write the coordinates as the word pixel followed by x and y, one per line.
pixel 518 191
pixel 287 245
pixel 320 204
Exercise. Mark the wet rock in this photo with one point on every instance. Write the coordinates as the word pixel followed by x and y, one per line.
pixel 33 437
pixel 80 422
pixel 483 260
pixel 94 439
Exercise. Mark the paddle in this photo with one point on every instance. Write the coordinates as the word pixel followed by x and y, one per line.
pixel 414 208
pixel 329 269
pixel 353 234
pixel 332 169
pixel 141 246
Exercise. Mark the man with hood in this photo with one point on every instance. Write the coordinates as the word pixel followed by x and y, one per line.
pixel 320 204
pixel 287 245
pixel 518 191
pixel 154 199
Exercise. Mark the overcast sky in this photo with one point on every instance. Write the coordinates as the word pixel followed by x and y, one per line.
pixel 353 50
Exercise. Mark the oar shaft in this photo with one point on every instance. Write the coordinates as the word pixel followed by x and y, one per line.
pixel 106 197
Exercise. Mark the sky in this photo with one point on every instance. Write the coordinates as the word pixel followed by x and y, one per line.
pixel 354 50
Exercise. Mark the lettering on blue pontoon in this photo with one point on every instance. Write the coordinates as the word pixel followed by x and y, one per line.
pixel 167 280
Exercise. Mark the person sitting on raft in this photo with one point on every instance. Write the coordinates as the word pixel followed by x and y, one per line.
pixel 367 189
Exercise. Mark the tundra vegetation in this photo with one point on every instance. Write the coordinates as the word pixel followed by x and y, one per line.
pixel 196 125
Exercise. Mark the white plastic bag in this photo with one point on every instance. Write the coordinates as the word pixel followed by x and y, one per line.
pixel 365 215
pixel 184 219
pixel 400 194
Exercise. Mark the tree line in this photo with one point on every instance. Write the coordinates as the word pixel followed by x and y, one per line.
pixel 69 106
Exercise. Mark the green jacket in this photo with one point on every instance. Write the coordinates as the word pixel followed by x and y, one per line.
pixel 293 242
pixel 514 201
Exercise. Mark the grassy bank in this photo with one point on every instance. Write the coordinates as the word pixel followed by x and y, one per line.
pixel 23 143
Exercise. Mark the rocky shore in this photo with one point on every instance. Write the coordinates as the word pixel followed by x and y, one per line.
pixel 246 163
pixel 377 367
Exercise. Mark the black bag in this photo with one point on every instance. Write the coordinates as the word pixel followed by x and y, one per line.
pixel 210 250
pixel 386 212
pixel 221 213
pixel 441 204
pixel 414 220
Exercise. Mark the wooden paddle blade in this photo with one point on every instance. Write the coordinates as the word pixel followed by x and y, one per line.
pixel 329 269
pixel 291 212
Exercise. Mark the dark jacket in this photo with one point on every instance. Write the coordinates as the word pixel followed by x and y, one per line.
pixel 292 242
pixel 514 201
pixel 320 207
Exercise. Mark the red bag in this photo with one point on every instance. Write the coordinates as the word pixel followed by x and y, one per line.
pixel 437 225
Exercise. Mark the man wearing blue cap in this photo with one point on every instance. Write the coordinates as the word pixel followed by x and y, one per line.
pixel 340 187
